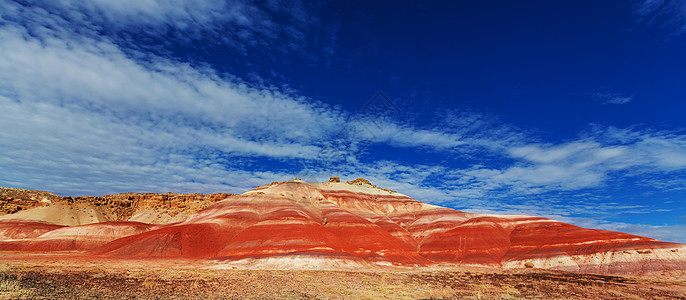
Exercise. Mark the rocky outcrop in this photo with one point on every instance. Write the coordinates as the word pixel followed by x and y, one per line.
pixel 134 206
pixel 362 181
pixel 140 207
pixel 14 200
pixel 353 224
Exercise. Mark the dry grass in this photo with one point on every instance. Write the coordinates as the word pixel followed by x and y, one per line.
pixel 13 289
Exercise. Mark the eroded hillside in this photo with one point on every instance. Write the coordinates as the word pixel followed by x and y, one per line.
pixel 329 225
pixel 140 207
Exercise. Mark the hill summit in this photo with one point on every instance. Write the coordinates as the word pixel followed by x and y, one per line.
pixel 334 224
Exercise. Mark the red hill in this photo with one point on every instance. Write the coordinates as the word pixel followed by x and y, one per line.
pixel 337 225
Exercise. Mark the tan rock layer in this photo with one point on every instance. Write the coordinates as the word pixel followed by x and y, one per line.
pixel 117 207
pixel 121 207
pixel 13 200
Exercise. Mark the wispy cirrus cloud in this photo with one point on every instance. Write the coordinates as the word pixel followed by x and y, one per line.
pixel 79 108
pixel 612 98
pixel 95 76
pixel 457 132
pixel 232 22
pixel 669 14
pixel 588 162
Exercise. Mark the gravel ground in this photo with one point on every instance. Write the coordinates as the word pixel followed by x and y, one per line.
pixel 188 280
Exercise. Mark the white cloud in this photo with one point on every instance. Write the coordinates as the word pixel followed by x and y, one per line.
pixel 612 98
pixel 669 14
pixel 79 152
pixel 587 162
pixel 463 133
pixel 96 76
pixel 78 108
pixel 159 12
pixel 402 136
pixel 184 15
pixel 245 26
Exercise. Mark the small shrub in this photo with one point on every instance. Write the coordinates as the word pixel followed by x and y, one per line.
pixel 9 286
pixel 208 276
pixel 12 289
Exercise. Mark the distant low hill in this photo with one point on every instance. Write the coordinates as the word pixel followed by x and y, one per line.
pixel 142 207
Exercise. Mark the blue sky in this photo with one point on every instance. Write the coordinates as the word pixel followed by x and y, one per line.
pixel 566 109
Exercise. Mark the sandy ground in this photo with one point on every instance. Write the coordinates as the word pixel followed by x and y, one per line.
pixel 50 277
